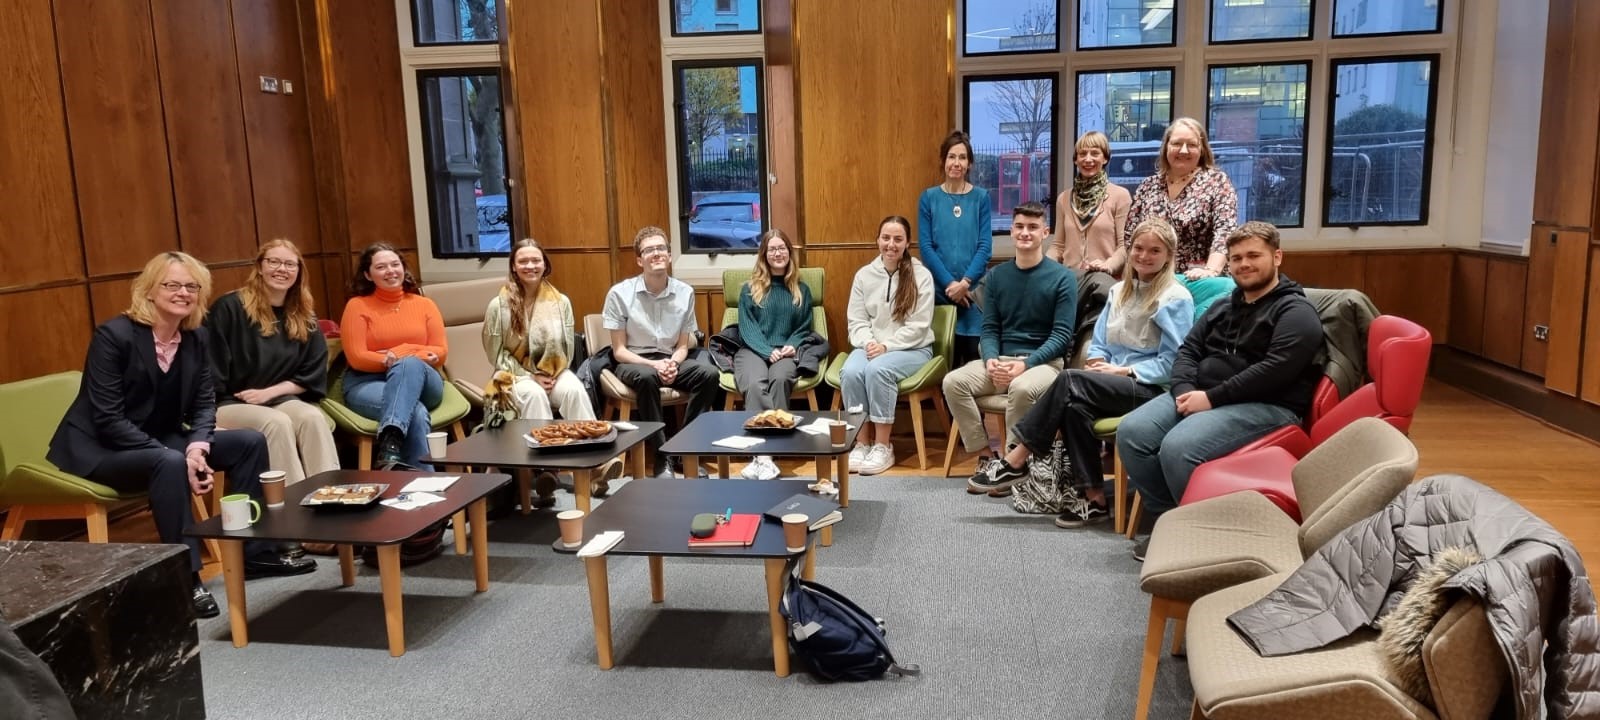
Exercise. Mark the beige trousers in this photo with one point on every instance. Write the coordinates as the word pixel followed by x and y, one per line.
pixel 568 396
pixel 964 385
pixel 299 436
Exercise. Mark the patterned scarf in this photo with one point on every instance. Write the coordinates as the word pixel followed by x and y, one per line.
pixel 543 349
pixel 1087 196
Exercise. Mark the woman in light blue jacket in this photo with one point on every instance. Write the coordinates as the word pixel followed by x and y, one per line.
pixel 1130 361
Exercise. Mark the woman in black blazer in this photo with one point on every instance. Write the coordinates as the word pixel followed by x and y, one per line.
pixel 145 415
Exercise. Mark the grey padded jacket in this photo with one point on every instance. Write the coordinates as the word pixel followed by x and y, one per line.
pixel 1532 584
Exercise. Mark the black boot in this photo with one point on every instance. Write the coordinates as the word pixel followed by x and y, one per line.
pixel 390 444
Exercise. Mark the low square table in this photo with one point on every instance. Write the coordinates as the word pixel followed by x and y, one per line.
pixel 503 447
pixel 832 462
pixel 654 517
pixel 382 526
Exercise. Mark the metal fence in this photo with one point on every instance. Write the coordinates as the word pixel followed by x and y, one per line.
pixel 724 171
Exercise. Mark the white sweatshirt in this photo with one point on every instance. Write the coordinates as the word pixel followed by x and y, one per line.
pixel 871 311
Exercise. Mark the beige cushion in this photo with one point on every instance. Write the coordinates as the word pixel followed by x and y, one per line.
pixel 1466 669
pixel 595 332
pixel 992 404
pixel 462 305
pixel 1205 546
pixel 464 301
pixel 1345 679
pixel 1350 476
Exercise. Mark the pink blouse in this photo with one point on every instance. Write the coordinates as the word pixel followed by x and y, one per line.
pixel 1203 214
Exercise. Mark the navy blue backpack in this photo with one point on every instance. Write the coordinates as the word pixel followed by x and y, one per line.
pixel 834 636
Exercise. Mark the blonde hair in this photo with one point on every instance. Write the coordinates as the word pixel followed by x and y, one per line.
pixel 761 275
pixel 1206 158
pixel 142 310
pixel 1165 277
pixel 1094 139
pixel 299 317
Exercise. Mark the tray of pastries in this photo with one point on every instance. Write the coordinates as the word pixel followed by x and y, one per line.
pixel 771 422
pixel 358 495
pixel 570 435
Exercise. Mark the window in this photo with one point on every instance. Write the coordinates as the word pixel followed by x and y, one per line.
pixel 453 22
pixel 1256 120
pixel 1125 23
pixel 1352 18
pixel 1258 20
pixel 715 17
pixel 721 154
pixel 1378 165
pixel 995 27
pixel 1012 123
pixel 1133 108
pixel 465 160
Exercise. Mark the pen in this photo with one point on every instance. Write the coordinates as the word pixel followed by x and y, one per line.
pixel 729 514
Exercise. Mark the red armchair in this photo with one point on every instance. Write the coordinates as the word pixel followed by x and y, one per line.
pixel 1397 362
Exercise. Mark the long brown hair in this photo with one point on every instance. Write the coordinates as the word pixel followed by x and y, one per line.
pixel 905 292
pixel 761 276
pixel 521 300
pixel 363 285
pixel 298 314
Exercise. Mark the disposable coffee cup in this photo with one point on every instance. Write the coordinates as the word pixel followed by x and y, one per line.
pixel 436 443
pixel 836 432
pixel 272 488
pixel 571 522
pixel 794 532
pixel 239 512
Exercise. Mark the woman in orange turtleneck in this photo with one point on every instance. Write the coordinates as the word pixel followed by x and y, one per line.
pixel 394 342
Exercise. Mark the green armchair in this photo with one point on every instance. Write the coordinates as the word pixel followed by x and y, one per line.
pixel 452 409
pixel 924 384
pixel 732 282
pixel 30 486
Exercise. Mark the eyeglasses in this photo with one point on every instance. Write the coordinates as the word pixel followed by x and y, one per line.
pixel 275 263
pixel 654 250
pixel 172 287
pixel 1185 145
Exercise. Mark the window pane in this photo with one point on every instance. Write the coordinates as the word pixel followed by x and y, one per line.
pixel 1245 20
pixel 721 155
pixel 1124 23
pixel 1009 26
pixel 1133 109
pixel 1012 124
pixel 466 162
pixel 710 17
pixel 1385 17
pixel 1378 163
pixel 448 22
pixel 1257 123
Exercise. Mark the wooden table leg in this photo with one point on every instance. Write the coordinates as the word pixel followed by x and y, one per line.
pixel 233 582
pixel 658 581
pixel 808 568
pixel 479 510
pixel 639 469
pixel 459 522
pixel 722 466
pixel 582 488
pixel 600 605
pixel 347 565
pixel 780 640
pixel 691 466
pixel 393 613
pixel 841 476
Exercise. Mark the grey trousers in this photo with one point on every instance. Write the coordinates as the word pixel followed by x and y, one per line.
pixel 764 386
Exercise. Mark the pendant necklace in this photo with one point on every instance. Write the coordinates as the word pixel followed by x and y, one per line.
pixel 955 208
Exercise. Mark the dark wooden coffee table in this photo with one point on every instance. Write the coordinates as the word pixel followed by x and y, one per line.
pixel 383 527
pixel 503 447
pixel 832 462
pixel 654 518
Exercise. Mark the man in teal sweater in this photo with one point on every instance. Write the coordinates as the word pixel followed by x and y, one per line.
pixel 1030 307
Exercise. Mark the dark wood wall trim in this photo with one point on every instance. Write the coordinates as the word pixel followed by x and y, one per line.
pixel 1515 389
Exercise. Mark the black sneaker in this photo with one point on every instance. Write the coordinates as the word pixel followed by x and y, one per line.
pixel 1140 546
pixel 1081 512
pixel 996 475
pixel 984 463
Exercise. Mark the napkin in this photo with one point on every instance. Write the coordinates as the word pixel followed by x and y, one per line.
pixel 820 426
pixel 412 500
pixel 433 484
pixel 738 442
pixel 599 544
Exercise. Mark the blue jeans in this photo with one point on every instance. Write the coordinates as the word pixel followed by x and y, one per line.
pixel 874 383
pixel 1161 448
pixel 399 398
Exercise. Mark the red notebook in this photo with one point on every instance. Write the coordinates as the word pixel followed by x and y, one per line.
pixel 737 532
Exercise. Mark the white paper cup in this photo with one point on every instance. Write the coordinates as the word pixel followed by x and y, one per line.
pixel 272 488
pixel 794 532
pixel 436 443
pixel 571 522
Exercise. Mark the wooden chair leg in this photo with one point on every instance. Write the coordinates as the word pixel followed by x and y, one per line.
pixel 624 410
pixel 364 452
pixel 811 395
pixel 459 430
pixel 1160 612
pixel 211 547
pixel 1119 489
pixel 837 402
pixel 16 517
pixel 915 403
pixel 94 514
pixel 950 451
pixel 946 420
pixel 1133 515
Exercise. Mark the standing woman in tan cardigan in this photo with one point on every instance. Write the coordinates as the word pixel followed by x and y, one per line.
pixel 1092 217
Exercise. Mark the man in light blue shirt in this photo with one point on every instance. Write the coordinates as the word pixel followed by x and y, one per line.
pixel 651 318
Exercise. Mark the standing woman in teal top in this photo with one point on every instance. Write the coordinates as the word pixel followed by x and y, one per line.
pixel 774 318
pixel 956 240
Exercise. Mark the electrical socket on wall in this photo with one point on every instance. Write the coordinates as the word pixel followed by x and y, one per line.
pixel 269 84
pixel 1541 332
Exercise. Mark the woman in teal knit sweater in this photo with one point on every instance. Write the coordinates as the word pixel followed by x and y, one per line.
pixel 774 318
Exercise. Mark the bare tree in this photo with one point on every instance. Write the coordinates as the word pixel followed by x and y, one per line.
pixel 1024 106
pixel 710 103
pixel 483 104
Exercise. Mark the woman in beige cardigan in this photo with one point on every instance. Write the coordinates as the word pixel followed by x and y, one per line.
pixel 1092 216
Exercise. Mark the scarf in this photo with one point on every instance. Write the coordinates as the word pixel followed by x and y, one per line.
pixel 542 350
pixel 1087 196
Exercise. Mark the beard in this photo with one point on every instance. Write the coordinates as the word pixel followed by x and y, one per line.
pixel 1260 282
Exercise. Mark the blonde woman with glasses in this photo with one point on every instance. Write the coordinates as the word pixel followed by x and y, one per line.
pixel 774 319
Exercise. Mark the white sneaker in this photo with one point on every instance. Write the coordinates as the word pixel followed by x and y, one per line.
pixel 752 471
pixel 878 459
pixel 858 454
pixel 767 470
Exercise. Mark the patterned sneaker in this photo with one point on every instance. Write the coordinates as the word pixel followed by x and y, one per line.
pixel 766 469
pixel 1080 512
pixel 878 459
pixel 858 455
pixel 985 464
pixel 997 475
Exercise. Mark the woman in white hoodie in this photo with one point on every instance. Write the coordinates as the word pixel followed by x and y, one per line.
pixel 890 320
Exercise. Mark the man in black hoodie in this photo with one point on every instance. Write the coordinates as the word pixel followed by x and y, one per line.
pixel 1246 368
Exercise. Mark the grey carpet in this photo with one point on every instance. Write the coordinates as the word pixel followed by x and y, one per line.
pixel 1008 616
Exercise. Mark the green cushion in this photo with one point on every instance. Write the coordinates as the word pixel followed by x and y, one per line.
pixel 931 373
pixel 44 484
pixel 26 477
pixel 452 407
pixel 801 386
pixel 1106 428
pixel 733 281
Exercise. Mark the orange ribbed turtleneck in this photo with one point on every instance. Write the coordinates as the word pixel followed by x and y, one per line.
pixel 403 323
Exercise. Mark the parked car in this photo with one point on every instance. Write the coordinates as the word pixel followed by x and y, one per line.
pixel 725 221
pixel 494 223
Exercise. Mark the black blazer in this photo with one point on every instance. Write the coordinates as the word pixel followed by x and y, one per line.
pixel 118 395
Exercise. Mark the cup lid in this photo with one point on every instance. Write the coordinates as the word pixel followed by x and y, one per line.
pixel 796 518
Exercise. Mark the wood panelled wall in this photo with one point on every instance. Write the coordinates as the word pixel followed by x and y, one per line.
pixel 130 128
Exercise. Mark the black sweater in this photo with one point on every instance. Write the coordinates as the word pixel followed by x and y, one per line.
pixel 1264 351
pixel 241 359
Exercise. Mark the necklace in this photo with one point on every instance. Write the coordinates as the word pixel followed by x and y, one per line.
pixel 955 207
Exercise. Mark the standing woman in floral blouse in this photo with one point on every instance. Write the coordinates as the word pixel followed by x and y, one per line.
pixel 1191 193
pixel 956 240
